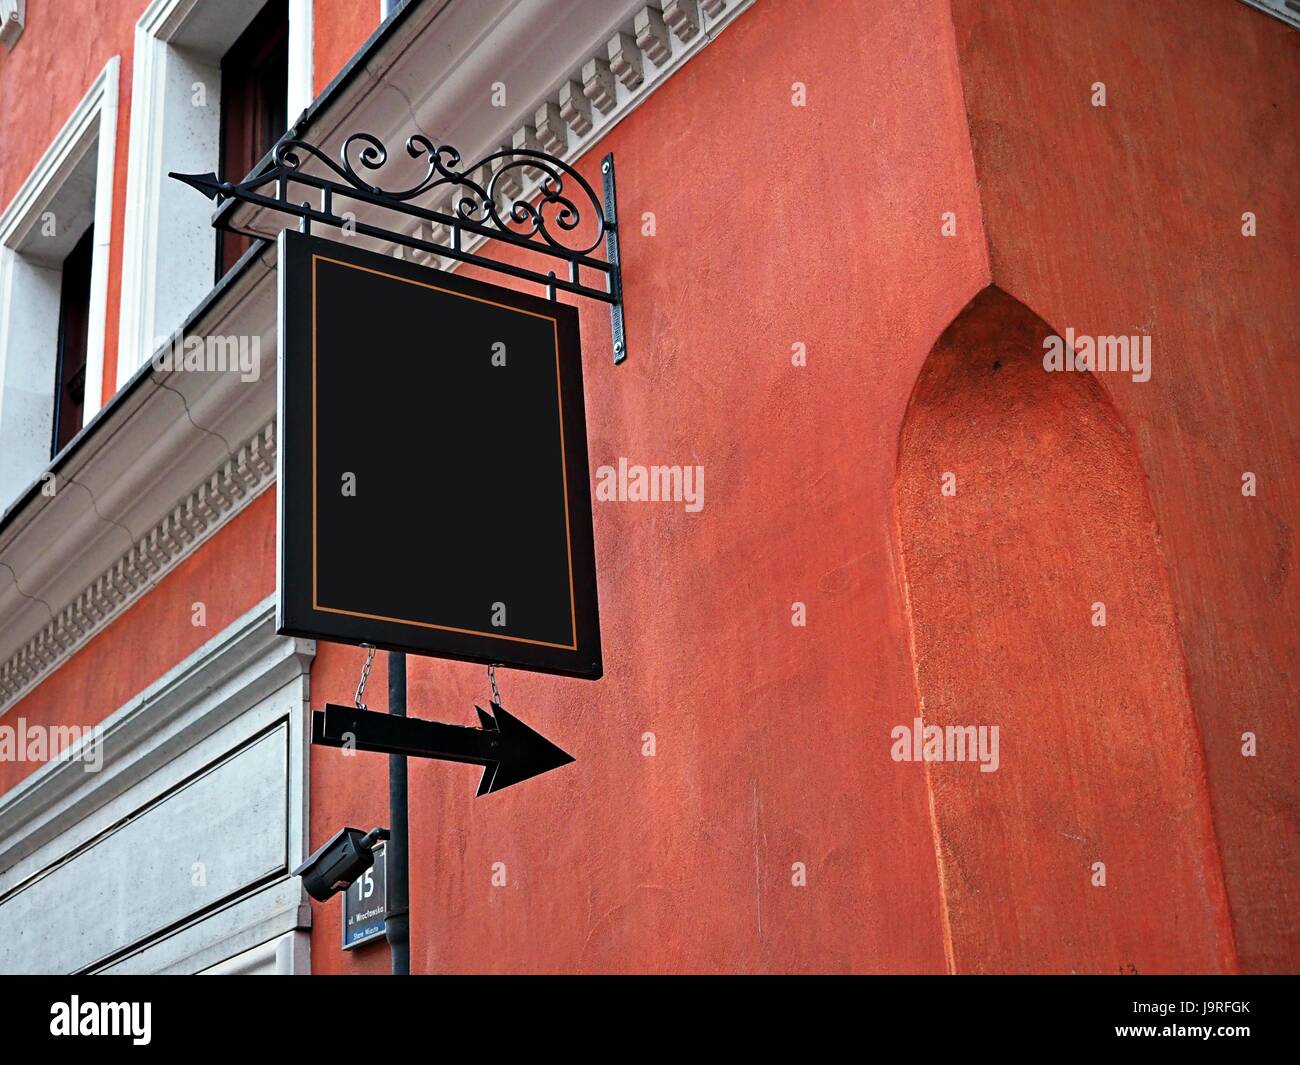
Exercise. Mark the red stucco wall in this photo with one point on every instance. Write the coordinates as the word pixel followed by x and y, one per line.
pixel 778 225
pixel 341 27
pixel 1127 219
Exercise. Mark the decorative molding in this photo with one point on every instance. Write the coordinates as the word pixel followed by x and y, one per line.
pixel 652 35
pixel 625 60
pixel 598 86
pixel 13 15
pixel 222 495
pixel 683 18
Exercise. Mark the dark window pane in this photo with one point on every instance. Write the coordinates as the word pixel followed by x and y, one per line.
pixel 74 325
pixel 254 88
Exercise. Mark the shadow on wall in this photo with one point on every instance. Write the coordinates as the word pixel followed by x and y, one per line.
pixel 1039 603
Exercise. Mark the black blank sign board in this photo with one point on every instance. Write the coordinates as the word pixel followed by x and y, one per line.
pixel 432 500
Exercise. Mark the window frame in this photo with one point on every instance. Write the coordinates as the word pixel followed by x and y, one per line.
pixel 177 44
pixel 25 431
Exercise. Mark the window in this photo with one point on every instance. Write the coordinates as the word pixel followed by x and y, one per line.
pixel 74 330
pixel 254 111
pixel 185 52
pixel 54 240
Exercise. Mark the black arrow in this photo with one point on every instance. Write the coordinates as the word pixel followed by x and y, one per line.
pixel 509 750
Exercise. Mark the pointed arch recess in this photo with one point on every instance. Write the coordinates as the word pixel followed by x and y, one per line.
pixel 1099 755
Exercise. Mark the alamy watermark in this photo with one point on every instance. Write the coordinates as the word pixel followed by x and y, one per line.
pixel 946 743
pixel 651 484
pixel 23 742
pixel 77 1018
pixel 240 355
pixel 1131 355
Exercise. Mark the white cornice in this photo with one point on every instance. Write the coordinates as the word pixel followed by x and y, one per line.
pixel 227 490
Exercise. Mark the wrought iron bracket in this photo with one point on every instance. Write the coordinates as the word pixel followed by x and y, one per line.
pixel 517 197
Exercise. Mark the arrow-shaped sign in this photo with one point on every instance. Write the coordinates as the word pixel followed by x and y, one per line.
pixel 509 750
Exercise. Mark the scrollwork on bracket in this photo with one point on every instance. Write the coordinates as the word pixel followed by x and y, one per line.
pixel 484 199
pixel 521 197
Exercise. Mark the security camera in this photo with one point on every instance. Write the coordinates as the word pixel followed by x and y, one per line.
pixel 336 865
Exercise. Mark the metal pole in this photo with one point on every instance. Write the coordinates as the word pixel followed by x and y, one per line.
pixel 397 918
